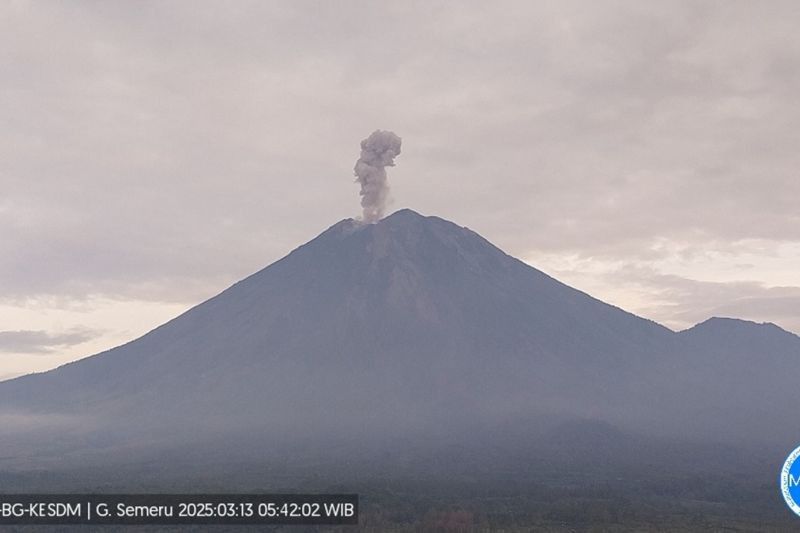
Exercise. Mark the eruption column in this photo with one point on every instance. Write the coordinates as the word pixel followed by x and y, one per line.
pixel 377 152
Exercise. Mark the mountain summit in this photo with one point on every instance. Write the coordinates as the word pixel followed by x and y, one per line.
pixel 421 305
pixel 407 326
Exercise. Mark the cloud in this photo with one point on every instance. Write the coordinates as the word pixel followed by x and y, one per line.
pixel 148 152
pixel 566 127
pixel 682 302
pixel 41 342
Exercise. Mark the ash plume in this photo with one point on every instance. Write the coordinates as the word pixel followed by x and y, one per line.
pixel 377 152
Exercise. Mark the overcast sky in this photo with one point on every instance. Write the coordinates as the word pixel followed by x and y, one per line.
pixel 153 153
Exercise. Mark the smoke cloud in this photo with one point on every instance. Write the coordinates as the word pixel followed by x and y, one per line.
pixel 377 152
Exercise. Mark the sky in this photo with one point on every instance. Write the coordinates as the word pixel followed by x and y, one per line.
pixel 153 153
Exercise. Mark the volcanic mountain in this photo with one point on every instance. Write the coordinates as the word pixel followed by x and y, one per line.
pixel 419 329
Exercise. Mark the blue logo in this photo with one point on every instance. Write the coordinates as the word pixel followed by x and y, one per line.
pixel 790 481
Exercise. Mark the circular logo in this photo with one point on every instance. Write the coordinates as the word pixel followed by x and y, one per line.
pixel 790 481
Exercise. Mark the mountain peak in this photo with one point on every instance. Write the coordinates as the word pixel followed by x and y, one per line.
pixel 737 333
pixel 718 323
pixel 408 218
pixel 406 235
pixel 413 320
pixel 405 213
pixel 404 218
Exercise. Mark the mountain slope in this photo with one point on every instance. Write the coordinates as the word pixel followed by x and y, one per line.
pixel 413 287
pixel 409 325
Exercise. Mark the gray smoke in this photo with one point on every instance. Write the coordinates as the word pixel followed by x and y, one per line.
pixel 377 152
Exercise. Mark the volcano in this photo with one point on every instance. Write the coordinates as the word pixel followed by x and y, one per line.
pixel 411 330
